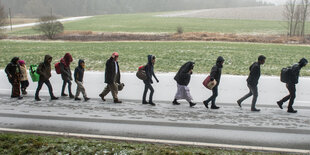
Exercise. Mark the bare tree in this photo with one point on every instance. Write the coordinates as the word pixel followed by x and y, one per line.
pixel 49 26
pixel 305 7
pixel 2 16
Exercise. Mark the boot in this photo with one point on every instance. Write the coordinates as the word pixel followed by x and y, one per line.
pixel 239 103
pixel 117 101
pixel 144 102
pixel 63 94
pixel 291 110
pixel 86 99
pixel 54 98
pixel 215 107
pixel 152 104
pixel 77 99
pixel 175 102
pixel 255 110
pixel 20 97
pixel 71 95
pixel 24 91
pixel 102 97
pixel 206 104
pixel 37 98
pixel 191 104
pixel 280 104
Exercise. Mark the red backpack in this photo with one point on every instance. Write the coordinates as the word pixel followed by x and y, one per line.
pixel 57 67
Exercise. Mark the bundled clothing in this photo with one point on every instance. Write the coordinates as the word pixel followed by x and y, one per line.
pixel 24 76
pixel 183 78
pixel 44 70
pixel 291 85
pixel 66 74
pixel 216 73
pixel 149 70
pixel 14 75
pixel 78 77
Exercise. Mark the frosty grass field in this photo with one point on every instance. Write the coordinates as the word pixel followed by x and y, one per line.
pixel 170 55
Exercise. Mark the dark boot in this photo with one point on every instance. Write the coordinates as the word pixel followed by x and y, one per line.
pixel 239 103
pixel 20 97
pixel 215 107
pixel 24 91
pixel 291 110
pixel 175 102
pixel 86 99
pixel 71 95
pixel 280 104
pixel 206 104
pixel 144 102
pixel 102 97
pixel 63 94
pixel 152 104
pixel 191 104
pixel 37 98
pixel 255 110
pixel 117 101
pixel 77 99
pixel 54 98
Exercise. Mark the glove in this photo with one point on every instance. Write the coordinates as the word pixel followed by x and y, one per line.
pixel 151 81
pixel 212 79
pixel 157 80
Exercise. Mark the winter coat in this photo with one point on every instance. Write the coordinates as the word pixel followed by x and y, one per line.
pixel 110 72
pixel 183 76
pixel 13 69
pixel 149 71
pixel 44 69
pixel 79 72
pixel 65 67
pixel 294 76
pixel 216 71
pixel 254 74
pixel 23 70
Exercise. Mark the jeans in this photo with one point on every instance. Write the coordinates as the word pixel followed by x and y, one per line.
pixel 64 86
pixel 292 89
pixel 254 92
pixel 146 88
pixel 49 86
pixel 214 95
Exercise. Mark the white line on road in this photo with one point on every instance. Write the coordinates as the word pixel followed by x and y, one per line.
pixel 272 149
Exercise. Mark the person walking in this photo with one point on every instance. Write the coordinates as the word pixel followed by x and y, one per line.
pixel 44 70
pixel 14 74
pixel 183 78
pixel 112 78
pixel 66 74
pixel 78 78
pixel 253 81
pixel 24 77
pixel 291 85
pixel 216 73
pixel 149 70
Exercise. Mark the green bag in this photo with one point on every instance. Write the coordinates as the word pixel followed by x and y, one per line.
pixel 33 73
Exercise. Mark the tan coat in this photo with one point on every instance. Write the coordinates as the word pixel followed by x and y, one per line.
pixel 23 70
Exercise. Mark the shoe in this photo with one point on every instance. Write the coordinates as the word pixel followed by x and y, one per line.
pixel 280 104
pixel 37 99
pixel 175 102
pixel 20 97
pixel 191 104
pixel 86 99
pixel 215 107
pixel 255 110
pixel 71 96
pixel 117 101
pixel 54 98
pixel 144 102
pixel 63 94
pixel 152 104
pixel 77 99
pixel 239 103
pixel 102 97
pixel 206 104
pixel 291 110
pixel 24 92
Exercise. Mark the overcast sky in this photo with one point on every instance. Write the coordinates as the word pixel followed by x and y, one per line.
pixel 278 2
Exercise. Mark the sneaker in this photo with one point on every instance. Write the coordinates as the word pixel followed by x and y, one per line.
pixel 191 104
pixel 206 104
pixel 54 98
pixel 63 94
pixel 144 102
pixel 77 99
pixel 239 103
pixel 175 102
pixel 86 99
pixel 152 104
pixel 280 104
pixel 37 99
pixel 255 110
pixel 102 97
pixel 291 110
pixel 117 101
pixel 215 107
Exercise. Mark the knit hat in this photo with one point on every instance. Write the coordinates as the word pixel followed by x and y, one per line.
pixel 21 62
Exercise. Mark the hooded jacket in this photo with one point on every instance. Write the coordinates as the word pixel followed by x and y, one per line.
pixel 79 72
pixel 13 69
pixel 183 76
pixel 149 70
pixel 65 67
pixel 216 71
pixel 296 70
pixel 110 72
pixel 44 69
pixel 254 74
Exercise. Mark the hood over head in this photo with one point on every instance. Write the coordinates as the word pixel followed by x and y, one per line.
pixel 47 57
pixel 15 60
pixel 219 61
pixel 68 58
pixel 80 62
pixel 150 58
pixel 187 67
pixel 303 62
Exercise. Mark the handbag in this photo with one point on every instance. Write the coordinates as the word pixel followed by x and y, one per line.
pixel 208 83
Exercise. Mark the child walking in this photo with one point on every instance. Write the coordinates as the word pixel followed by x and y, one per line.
pixel 24 77
pixel 78 77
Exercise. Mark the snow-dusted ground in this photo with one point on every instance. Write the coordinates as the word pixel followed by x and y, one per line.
pixel 230 90
pixel 33 24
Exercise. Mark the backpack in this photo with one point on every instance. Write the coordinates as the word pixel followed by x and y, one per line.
pixel 33 73
pixel 141 73
pixel 57 67
pixel 286 74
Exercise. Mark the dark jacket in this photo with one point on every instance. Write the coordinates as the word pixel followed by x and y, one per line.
pixel 149 70
pixel 110 72
pixel 13 69
pixel 216 71
pixel 44 69
pixel 79 72
pixel 294 76
pixel 254 74
pixel 183 76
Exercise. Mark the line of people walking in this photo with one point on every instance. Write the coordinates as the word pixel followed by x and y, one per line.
pixel 17 75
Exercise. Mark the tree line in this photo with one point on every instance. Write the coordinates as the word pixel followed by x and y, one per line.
pixel 63 8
